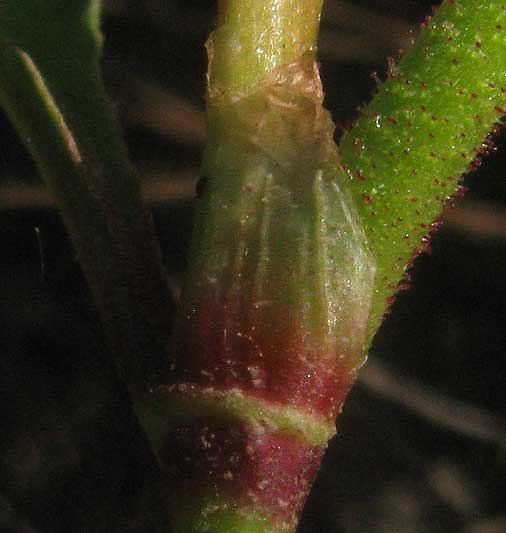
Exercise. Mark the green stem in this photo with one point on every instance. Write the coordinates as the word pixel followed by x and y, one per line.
pixel 51 91
pixel 277 290
pixel 279 279
pixel 254 38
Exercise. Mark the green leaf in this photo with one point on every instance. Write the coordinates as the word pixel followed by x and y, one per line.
pixel 51 90
pixel 428 121
pixel 43 27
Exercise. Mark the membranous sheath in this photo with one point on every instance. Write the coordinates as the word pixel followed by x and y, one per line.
pixel 280 296
pixel 274 307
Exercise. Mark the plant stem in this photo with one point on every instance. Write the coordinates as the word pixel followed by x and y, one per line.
pixel 278 287
pixel 256 37
pixel 280 279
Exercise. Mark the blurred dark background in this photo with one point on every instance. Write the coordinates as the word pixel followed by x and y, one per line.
pixel 422 440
